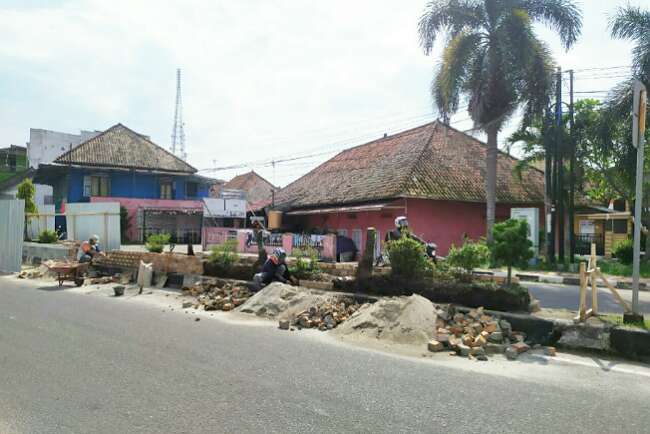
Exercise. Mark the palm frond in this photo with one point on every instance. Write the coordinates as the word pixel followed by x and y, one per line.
pixel 563 16
pixel 448 16
pixel 453 71
pixel 630 22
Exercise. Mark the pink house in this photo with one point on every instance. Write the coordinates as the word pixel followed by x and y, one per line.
pixel 433 174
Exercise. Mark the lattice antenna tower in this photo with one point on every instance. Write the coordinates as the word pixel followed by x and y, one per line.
pixel 178 133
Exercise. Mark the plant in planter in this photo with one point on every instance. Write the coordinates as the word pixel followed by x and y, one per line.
pixel 408 259
pixel 156 242
pixel 470 255
pixel 48 237
pixel 511 246
pixel 306 265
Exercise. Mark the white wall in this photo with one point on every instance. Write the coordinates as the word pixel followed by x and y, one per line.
pixel 45 146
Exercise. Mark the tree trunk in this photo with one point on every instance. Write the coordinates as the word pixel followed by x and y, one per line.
pixel 509 278
pixel 364 268
pixel 491 180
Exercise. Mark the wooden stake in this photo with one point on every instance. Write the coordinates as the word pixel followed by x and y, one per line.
pixel 613 290
pixel 582 309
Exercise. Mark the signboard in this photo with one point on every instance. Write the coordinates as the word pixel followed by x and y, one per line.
pixel 587 227
pixel 224 208
pixel 531 215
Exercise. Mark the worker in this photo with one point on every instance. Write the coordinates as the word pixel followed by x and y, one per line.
pixel 89 249
pixel 274 270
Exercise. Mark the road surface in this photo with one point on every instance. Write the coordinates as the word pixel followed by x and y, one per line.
pixel 567 297
pixel 72 363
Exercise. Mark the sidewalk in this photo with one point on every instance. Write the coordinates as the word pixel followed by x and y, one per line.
pixel 564 278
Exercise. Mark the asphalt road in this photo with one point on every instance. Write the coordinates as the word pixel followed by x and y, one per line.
pixel 72 363
pixel 567 297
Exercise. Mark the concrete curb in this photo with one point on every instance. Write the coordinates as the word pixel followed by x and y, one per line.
pixel 575 281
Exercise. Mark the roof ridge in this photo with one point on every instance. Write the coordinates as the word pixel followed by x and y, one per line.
pixel 485 144
pixel 388 137
pixel 156 145
pixel 417 161
pixel 61 158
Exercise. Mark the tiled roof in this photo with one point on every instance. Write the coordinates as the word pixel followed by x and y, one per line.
pixel 121 147
pixel 433 161
pixel 256 187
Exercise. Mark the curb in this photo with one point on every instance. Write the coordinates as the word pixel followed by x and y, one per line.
pixel 573 281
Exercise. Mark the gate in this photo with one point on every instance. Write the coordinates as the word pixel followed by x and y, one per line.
pixel 583 243
pixel 12 231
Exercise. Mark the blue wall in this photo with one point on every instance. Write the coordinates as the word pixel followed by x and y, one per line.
pixel 132 185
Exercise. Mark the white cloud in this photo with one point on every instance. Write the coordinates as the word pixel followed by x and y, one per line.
pixel 260 79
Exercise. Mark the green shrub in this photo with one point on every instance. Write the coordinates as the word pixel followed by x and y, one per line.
pixel 306 265
pixel 224 255
pixel 408 258
pixel 511 246
pixel 156 242
pixel 624 251
pixel 26 191
pixel 471 255
pixel 47 237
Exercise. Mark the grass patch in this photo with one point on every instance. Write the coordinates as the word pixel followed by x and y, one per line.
pixel 615 268
pixel 618 320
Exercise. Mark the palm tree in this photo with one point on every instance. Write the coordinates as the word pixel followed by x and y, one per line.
pixel 494 59
pixel 633 24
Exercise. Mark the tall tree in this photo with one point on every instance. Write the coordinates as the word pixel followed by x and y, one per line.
pixel 494 59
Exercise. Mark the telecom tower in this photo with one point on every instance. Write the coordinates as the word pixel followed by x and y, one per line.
pixel 178 133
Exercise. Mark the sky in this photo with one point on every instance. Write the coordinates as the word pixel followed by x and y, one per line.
pixel 276 87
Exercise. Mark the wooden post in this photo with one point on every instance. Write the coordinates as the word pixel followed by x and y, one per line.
pixel 594 291
pixel 364 269
pixel 582 309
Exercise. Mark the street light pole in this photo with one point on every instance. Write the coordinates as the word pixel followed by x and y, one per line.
pixel 638 132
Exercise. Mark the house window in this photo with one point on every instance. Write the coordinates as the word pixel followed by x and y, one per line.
pixel 343 232
pixel 166 189
pixel 356 237
pixel 12 162
pixel 191 189
pixel 97 185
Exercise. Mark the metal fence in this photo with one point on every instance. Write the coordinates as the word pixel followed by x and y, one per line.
pixel 12 218
pixel 583 243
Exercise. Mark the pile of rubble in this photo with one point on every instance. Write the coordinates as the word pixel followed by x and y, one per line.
pixel 477 334
pixel 214 295
pixel 325 316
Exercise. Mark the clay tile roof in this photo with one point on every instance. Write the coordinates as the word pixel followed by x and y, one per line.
pixel 433 161
pixel 256 187
pixel 122 147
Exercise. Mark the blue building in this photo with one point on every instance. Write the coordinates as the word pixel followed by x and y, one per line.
pixel 161 192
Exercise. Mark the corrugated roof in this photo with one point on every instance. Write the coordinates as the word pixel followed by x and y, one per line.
pixel 121 147
pixel 433 161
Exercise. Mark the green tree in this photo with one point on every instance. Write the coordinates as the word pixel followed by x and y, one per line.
pixel 511 246
pixel 494 59
pixel 469 256
pixel 26 192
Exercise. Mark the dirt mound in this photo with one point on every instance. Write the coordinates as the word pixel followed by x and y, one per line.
pixel 400 320
pixel 281 301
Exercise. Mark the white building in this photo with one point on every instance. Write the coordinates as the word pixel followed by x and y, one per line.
pixel 45 146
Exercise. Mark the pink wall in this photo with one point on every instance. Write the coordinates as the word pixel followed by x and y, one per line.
pixel 132 206
pixel 441 222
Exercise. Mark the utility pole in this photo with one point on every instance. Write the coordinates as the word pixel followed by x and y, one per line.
pixel 549 187
pixel 572 176
pixel 638 140
pixel 559 161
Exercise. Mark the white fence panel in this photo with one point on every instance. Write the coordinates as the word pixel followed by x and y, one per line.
pixel 12 227
pixel 86 219
pixel 38 223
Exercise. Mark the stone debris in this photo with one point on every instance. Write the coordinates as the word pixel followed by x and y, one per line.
pixel 324 316
pixel 550 351
pixel 476 334
pixel 213 294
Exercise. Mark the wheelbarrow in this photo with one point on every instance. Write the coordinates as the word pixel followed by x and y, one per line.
pixel 69 271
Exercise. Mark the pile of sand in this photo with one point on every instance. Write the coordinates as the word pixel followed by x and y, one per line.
pixel 280 301
pixel 400 320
